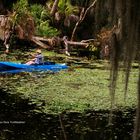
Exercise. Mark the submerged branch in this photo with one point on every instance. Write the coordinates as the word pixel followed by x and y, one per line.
pixel 62 127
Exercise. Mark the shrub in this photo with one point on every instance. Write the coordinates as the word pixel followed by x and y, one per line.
pixel 42 20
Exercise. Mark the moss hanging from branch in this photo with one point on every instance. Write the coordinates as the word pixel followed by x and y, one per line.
pixel 126 13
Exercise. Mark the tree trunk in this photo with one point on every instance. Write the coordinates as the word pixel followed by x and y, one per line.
pixel 54 7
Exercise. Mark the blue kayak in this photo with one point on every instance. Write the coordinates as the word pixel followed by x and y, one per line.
pixel 15 67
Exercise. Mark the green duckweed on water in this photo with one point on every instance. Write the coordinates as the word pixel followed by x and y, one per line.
pixel 77 89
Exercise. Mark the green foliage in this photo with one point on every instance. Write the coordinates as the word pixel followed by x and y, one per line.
pixel 36 11
pixel 42 20
pixel 94 51
pixel 21 6
pixel 40 15
pixel 62 5
pixel 45 30
pixel 71 9
pixel 21 9
pixel 66 7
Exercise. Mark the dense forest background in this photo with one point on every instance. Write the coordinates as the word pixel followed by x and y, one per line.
pixel 88 22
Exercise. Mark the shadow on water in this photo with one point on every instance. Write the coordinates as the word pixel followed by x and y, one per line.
pixel 19 121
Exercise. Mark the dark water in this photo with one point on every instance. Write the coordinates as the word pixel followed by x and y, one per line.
pixel 18 121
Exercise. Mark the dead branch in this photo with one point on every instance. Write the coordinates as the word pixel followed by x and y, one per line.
pixel 77 43
pixel 54 7
pixel 92 5
pixel 88 40
pixel 62 127
pixel 78 22
pixel 82 17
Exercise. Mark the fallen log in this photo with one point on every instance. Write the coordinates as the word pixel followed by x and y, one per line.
pixel 74 43
pixel 77 43
pixel 39 38
pixel 38 42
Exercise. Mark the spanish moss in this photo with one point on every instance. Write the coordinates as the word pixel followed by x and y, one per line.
pixel 127 13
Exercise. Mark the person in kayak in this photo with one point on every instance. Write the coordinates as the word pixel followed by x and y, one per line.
pixel 38 58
